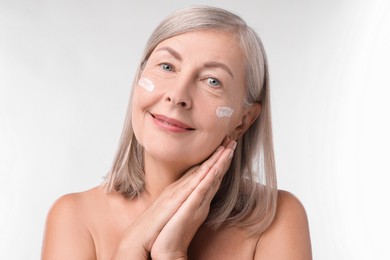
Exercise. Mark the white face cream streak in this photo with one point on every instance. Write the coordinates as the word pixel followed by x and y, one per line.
pixel 224 112
pixel 146 83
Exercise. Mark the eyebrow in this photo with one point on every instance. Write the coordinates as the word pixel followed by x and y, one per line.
pixel 174 53
pixel 215 64
pixel 211 64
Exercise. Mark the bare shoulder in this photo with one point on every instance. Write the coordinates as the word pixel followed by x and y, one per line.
pixel 67 203
pixel 78 199
pixel 288 236
pixel 67 235
pixel 73 206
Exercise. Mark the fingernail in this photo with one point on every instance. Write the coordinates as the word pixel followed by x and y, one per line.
pixel 234 145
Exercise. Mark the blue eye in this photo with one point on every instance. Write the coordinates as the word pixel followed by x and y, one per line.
pixel 166 66
pixel 213 82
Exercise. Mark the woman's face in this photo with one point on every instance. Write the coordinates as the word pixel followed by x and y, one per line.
pixel 189 97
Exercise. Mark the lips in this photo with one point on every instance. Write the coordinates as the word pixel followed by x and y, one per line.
pixel 170 122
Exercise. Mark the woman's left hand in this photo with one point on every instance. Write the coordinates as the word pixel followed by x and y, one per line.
pixel 175 237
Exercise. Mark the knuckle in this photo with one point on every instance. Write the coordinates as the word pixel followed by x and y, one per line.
pixel 216 170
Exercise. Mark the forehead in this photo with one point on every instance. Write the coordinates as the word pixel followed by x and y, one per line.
pixel 208 45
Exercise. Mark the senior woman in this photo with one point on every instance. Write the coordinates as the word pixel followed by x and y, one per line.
pixel 194 175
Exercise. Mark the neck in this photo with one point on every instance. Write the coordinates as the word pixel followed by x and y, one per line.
pixel 159 175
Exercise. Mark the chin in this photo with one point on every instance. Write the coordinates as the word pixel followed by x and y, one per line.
pixel 177 157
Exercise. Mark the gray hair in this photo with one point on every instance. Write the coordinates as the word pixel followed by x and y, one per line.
pixel 248 192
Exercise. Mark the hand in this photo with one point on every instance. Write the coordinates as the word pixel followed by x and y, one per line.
pixel 167 227
pixel 173 240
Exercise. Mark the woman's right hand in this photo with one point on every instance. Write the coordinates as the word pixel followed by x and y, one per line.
pixel 166 228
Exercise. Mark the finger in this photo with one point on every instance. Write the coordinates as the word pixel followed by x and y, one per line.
pixel 197 173
pixel 173 198
pixel 181 189
pixel 206 165
pixel 222 164
pixel 175 195
pixel 224 160
pixel 208 187
pixel 218 171
pixel 196 208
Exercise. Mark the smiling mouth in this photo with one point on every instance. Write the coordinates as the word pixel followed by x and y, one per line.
pixel 171 122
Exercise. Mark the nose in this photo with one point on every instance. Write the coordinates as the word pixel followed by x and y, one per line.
pixel 182 104
pixel 179 94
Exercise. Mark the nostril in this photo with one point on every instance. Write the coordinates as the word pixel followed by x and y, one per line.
pixel 182 104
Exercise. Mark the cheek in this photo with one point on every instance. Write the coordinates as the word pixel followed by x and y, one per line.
pixel 146 84
pixel 217 121
pixel 144 93
pixel 218 113
pixel 224 112
pixel 217 106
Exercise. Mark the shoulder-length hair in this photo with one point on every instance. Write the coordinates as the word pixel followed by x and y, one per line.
pixel 248 192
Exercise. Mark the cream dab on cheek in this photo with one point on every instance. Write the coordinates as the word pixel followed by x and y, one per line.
pixel 224 112
pixel 146 84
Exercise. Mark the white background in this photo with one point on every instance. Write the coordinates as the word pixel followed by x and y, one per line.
pixel 65 74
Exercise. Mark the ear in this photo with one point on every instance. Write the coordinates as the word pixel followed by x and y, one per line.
pixel 249 115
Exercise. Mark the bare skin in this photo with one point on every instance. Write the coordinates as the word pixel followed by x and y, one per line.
pixel 194 73
pixel 96 225
pixel 91 224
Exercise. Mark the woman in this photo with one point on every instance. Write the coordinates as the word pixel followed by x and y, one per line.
pixel 183 184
